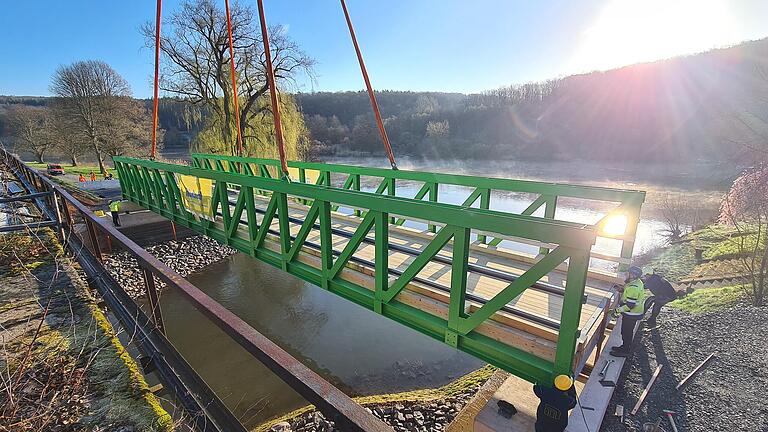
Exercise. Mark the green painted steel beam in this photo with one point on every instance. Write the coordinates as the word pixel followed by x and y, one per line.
pixel 549 231
pixel 527 186
pixel 153 185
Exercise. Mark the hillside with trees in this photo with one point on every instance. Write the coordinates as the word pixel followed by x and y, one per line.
pixel 700 107
pixel 705 107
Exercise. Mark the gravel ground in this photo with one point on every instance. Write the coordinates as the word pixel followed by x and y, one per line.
pixel 183 256
pixel 403 416
pixel 728 395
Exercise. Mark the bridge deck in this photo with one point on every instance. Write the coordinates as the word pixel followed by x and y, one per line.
pixel 451 271
pixel 530 323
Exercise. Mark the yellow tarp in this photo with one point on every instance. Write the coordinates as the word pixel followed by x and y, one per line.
pixel 196 195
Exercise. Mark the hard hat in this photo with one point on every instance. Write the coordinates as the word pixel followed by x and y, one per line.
pixel 563 382
pixel 635 271
pixel 648 270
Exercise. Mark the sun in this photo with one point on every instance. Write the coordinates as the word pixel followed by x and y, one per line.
pixel 634 31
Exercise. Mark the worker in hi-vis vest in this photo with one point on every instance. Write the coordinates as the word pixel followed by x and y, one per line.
pixel 631 308
pixel 114 208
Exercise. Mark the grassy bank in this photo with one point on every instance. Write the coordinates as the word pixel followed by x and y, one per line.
pixel 66 367
pixel 717 247
pixel 461 385
pixel 709 299
pixel 85 170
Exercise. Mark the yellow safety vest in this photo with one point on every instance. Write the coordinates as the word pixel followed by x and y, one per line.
pixel 114 206
pixel 633 298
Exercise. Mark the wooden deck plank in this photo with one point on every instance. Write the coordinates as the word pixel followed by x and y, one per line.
pixel 533 301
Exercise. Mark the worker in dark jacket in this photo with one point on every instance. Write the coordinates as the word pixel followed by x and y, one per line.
pixel 552 413
pixel 663 293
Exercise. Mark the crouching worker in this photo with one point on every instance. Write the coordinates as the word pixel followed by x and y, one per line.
pixel 552 413
pixel 114 208
pixel 662 291
pixel 631 308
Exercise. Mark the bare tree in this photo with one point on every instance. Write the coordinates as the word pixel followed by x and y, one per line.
pixel 197 62
pixel 96 101
pixel 681 214
pixel 71 140
pixel 745 207
pixel 33 129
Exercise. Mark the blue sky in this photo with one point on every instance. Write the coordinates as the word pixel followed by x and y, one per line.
pixel 438 45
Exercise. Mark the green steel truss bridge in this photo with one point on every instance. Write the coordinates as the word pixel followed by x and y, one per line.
pixel 450 271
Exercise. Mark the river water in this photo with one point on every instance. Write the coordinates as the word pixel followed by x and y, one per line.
pixel 355 349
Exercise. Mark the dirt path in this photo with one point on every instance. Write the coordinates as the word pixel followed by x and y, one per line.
pixel 729 395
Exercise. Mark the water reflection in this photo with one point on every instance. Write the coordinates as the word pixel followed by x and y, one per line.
pixel 357 350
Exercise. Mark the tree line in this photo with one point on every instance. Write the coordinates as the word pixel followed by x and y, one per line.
pixel 700 107
pixel 92 112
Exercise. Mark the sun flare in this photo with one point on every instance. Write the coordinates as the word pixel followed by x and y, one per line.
pixel 631 31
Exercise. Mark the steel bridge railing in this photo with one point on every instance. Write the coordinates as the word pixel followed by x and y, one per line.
pixel 155 186
pixel 625 203
pixel 207 411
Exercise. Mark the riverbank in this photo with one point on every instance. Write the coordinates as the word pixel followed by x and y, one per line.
pixel 63 365
pixel 418 410
pixel 715 317
pixel 183 256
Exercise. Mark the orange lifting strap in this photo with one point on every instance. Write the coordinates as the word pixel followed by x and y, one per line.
pixel 234 81
pixel 272 86
pixel 153 152
pixel 272 90
pixel 371 95
pixel 157 79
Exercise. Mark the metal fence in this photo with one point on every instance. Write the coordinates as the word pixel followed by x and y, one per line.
pixel 207 411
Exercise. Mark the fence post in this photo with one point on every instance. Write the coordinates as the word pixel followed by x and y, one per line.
pixel 154 301
pixel 94 239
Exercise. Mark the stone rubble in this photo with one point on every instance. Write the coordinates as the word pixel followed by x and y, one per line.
pixel 728 395
pixel 183 256
pixel 402 416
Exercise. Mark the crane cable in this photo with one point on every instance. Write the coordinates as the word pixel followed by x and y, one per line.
pixel 273 91
pixel 153 152
pixel 371 95
pixel 234 82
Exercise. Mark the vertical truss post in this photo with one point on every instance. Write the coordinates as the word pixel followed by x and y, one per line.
pixel 221 187
pixel 381 259
pixel 356 186
pixel 571 313
pixel 485 203
pixel 285 227
pixel 549 212
pixel 250 208
pixel 326 242
pixel 456 308
pixel 391 192
pixel 433 188
pixel 303 179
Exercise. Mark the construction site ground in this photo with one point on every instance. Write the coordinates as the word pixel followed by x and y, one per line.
pixel 729 393
pixel 62 367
